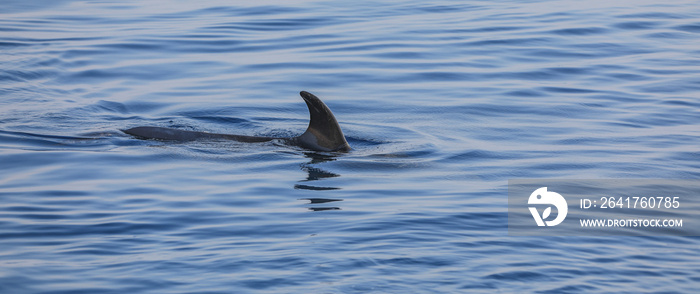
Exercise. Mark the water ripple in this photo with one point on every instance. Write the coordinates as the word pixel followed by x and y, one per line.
pixel 442 103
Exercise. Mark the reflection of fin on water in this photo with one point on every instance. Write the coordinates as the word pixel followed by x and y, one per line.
pixel 320 200
pixel 317 173
pixel 323 208
pixel 314 188
pixel 320 157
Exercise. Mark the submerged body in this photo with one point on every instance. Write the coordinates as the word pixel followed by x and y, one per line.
pixel 323 133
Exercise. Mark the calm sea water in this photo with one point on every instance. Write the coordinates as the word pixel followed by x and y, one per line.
pixel 443 103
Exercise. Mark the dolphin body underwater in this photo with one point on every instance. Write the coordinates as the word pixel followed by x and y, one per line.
pixel 323 133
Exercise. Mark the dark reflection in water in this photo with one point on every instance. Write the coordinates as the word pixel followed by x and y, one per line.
pixel 314 188
pixel 320 200
pixel 323 208
pixel 317 174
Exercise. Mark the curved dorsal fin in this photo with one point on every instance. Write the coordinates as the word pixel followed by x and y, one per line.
pixel 323 133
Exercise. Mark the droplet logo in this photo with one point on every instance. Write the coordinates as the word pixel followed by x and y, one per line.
pixel 542 196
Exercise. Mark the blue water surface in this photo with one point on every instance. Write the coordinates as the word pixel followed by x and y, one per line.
pixel 443 102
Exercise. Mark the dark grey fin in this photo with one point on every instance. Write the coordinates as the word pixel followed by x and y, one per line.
pixel 168 134
pixel 323 133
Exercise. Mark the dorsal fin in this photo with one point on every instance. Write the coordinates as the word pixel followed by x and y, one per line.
pixel 323 133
